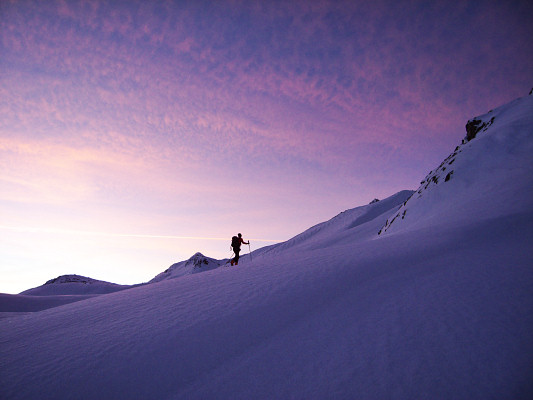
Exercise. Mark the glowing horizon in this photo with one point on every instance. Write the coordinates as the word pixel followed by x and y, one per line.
pixel 126 235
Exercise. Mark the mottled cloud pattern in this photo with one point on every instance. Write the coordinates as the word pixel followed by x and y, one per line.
pixel 198 118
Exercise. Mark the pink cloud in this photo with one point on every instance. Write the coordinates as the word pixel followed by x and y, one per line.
pixel 184 91
pixel 165 118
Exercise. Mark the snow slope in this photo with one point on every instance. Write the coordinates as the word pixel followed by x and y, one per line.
pixel 472 182
pixel 437 307
pixel 352 225
pixel 10 303
pixel 55 292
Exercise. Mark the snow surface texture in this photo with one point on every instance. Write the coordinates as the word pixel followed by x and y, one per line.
pixel 438 306
pixel 23 303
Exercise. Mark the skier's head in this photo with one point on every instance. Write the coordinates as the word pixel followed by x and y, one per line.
pixel 239 235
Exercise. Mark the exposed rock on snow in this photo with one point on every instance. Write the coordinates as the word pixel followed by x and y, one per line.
pixel 475 125
pixel 466 178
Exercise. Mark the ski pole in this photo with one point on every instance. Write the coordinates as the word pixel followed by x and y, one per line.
pixel 250 250
pixel 229 259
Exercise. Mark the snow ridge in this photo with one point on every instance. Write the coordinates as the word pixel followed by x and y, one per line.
pixel 497 147
pixel 349 222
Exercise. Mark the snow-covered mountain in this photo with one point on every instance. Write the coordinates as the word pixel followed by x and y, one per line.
pixel 74 285
pixel 197 263
pixel 473 181
pixel 424 295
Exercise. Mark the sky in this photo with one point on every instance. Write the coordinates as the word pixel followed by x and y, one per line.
pixel 134 134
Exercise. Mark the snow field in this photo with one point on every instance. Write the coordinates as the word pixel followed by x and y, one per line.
pixel 420 320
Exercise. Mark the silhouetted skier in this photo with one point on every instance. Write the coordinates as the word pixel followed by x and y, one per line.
pixel 236 245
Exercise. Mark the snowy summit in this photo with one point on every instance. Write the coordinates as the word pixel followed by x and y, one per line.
pixel 74 284
pixel 424 295
pixel 197 263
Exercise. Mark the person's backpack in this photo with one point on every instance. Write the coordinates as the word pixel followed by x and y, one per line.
pixel 235 242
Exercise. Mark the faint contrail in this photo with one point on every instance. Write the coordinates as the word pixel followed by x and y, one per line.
pixel 91 233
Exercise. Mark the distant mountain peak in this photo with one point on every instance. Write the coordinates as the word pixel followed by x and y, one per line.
pixel 196 263
pixel 74 279
pixel 74 285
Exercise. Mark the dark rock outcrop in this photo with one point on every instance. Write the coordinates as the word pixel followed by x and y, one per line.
pixel 474 126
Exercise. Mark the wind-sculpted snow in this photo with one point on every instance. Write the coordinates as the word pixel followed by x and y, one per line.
pixel 440 307
pixel 24 303
pixel 430 314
